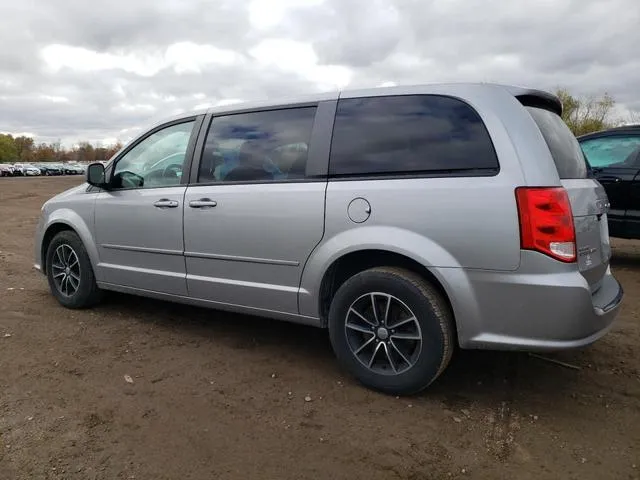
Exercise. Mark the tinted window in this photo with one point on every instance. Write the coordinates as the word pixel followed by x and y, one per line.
pixel 257 146
pixel 564 147
pixel 156 161
pixel 405 134
pixel 606 151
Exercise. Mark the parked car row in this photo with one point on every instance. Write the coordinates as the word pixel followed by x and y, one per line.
pixel 36 169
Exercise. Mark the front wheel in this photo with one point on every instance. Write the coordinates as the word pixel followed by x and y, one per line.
pixel 391 329
pixel 70 273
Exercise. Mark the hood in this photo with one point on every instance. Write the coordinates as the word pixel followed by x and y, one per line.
pixel 68 193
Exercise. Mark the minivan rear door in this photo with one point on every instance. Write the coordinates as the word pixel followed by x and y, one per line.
pixel 254 210
pixel 589 202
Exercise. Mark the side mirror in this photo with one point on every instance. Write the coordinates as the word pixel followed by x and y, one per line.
pixel 96 174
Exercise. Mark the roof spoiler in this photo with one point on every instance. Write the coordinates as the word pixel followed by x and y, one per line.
pixel 540 99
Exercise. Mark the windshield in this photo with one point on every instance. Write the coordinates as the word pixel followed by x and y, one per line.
pixel 610 150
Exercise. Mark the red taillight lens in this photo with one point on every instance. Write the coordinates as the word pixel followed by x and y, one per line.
pixel 546 222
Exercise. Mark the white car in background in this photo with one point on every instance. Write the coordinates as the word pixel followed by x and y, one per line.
pixel 27 169
pixel 31 171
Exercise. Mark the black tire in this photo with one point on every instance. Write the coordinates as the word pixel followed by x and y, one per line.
pixel 87 292
pixel 434 324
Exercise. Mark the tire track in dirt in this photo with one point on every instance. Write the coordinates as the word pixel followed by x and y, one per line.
pixel 503 421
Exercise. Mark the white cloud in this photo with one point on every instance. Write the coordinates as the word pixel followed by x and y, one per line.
pixel 19 134
pixel 227 101
pixel 299 58
pixel 190 57
pixel 55 98
pixel 138 107
pixel 183 57
pixel 82 59
pixel 269 13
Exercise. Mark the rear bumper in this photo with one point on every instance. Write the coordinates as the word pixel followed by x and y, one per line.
pixel 538 311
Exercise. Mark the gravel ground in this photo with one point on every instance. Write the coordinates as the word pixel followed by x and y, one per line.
pixel 215 395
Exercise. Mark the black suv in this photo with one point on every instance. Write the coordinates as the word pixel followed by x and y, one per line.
pixel 614 156
pixel 50 169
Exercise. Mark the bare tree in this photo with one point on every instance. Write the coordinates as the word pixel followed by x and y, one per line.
pixel 587 114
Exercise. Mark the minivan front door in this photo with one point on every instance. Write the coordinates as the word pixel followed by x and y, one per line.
pixel 138 219
pixel 254 216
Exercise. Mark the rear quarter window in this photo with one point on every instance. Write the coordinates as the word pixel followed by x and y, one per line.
pixel 410 134
pixel 565 149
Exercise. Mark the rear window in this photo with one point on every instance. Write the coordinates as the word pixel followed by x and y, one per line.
pixel 564 147
pixel 410 134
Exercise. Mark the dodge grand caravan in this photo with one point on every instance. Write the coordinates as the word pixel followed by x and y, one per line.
pixel 406 220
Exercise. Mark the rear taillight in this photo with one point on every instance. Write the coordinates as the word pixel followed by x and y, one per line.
pixel 546 222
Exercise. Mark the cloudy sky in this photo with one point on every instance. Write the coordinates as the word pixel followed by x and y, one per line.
pixel 99 70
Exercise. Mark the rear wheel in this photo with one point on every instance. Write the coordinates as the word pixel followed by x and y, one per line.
pixel 391 329
pixel 70 273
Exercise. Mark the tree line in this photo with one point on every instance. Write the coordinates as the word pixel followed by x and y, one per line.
pixel 581 114
pixel 24 149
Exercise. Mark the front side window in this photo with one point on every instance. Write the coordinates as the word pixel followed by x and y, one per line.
pixel 609 151
pixel 157 161
pixel 409 134
pixel 258 146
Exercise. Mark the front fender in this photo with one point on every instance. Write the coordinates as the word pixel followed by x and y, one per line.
pixel 392 239
pixel 82 226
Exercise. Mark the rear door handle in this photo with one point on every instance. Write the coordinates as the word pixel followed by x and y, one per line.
pixel 609 178
pixel 203 203
pixel 166 203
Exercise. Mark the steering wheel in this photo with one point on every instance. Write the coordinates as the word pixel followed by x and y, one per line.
pixel 172 171
pixel 172 168
pixel 130 180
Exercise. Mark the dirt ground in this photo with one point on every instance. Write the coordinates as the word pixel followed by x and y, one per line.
pixel 222 396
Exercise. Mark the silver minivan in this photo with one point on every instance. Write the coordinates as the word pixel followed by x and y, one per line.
pixel 406 220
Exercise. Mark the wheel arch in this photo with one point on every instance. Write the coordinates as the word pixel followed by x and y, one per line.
pixel 49 233
pixel 351 263
pixel 381 242
pixel 70 221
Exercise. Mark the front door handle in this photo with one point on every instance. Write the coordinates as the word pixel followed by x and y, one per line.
pixel 166 203
pixel 203 203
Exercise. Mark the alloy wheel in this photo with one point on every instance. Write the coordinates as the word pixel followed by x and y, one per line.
pixel 383 333
pixel 66 270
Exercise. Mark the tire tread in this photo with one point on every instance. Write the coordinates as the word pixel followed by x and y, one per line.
pixel 440 309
